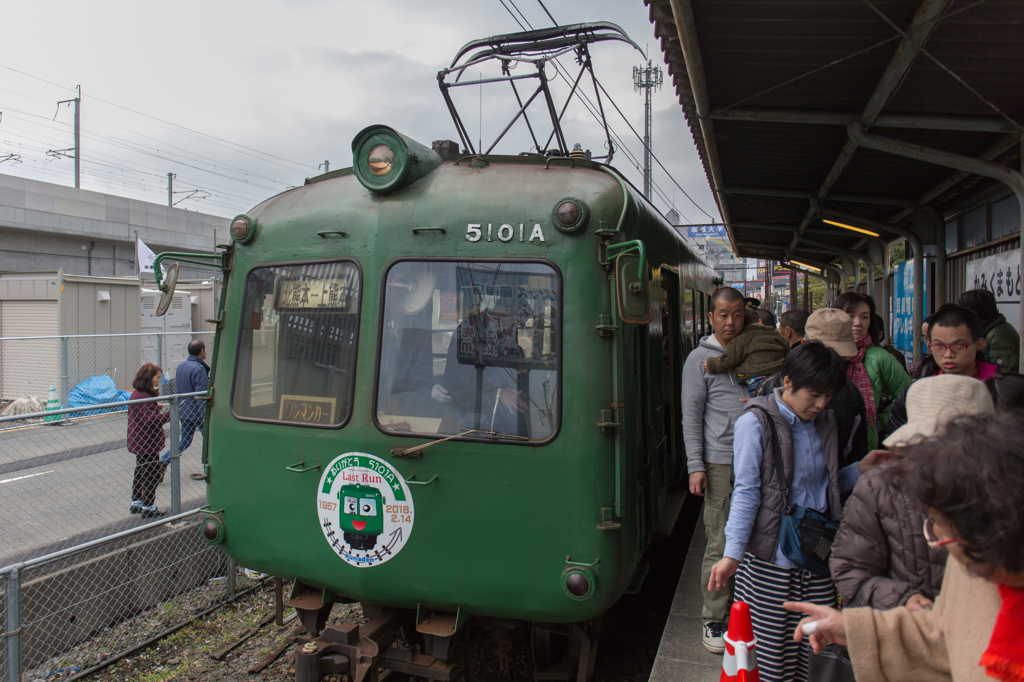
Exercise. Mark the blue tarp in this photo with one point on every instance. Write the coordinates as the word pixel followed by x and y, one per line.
pixel 97 390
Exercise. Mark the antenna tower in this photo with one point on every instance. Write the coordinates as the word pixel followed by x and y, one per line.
pixel 647 78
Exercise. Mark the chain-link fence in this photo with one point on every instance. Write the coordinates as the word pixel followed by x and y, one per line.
pixel 100 528
pixel 76 478
pixel 88 369
pixel 73 610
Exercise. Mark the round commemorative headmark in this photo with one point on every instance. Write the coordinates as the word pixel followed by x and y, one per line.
pixel 365 509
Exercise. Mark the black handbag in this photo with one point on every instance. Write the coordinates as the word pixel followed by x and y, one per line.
pixel 805 535
pixel 831 665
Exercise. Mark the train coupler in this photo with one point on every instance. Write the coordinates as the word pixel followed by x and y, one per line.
pixel 367 652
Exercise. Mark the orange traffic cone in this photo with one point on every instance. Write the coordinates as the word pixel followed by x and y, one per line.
pixel 740 661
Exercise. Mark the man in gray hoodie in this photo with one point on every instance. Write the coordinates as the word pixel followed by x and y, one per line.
pixel 711 405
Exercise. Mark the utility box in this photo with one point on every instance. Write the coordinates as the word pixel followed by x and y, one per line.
pixel 165 339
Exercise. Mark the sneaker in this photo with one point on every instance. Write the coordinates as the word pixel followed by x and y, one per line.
pixel 135 509
pixel 713 637
pixel 155 513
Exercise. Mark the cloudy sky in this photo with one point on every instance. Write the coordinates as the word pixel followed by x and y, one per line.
pixel 244 98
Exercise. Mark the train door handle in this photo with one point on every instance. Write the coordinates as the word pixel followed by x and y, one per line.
pixel 411 480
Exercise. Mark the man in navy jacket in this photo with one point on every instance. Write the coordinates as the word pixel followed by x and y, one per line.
pixel 191 376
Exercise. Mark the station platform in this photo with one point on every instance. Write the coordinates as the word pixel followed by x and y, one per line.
pixel 681 654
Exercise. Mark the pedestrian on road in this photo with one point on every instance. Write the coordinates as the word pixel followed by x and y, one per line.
pixel 787 458
pixel 146 440
pixel 191 376
pixel 969 479
pixel 711 404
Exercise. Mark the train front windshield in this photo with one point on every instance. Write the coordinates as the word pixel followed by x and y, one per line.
pixel 297 348
pixel 470 347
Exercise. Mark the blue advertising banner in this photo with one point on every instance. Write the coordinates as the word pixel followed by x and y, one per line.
pixel 706 230
pixel 903 331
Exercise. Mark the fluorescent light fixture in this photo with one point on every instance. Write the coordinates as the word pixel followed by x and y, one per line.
pixel 850 227
pixel 805 265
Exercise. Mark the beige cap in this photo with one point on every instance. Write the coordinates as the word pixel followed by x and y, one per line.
pixel 934 401
pixel 834 328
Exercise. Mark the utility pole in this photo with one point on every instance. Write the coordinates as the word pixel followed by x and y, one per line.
pixel 326 165
pixel 170 188
pixel 78 134
pixel 647 78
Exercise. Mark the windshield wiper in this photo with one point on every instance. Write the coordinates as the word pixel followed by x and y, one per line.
pixel 414 451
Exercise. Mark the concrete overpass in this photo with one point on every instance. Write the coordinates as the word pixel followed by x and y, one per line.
pixel 45 227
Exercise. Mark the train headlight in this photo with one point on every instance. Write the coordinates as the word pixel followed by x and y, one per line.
pixel 381 159
pixel 243 229
pixel 579 582
pixel 385 161
pixel 570 214
pixel 213 529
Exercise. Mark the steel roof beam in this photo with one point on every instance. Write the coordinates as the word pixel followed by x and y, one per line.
pixel 925 21
pixel 686 26
pixel 1013 179
pixel 811 260
pixel 976 124
pixel 998 149
pixel 798 194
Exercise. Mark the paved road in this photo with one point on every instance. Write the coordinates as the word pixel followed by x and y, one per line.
pixel 63 485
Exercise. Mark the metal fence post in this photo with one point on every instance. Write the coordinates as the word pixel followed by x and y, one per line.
pixel 65 374
pixel 231 579
pixel 159 350
pixel 175 462
pixel 12 633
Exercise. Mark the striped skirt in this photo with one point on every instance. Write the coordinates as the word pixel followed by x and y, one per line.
pixel 764 587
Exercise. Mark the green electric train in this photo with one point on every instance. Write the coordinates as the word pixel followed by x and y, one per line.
pixel 448 387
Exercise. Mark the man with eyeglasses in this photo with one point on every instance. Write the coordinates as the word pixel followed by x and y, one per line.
pixel 955 341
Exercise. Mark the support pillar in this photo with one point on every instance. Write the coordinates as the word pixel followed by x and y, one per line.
pixel 807 293
pixel 792 289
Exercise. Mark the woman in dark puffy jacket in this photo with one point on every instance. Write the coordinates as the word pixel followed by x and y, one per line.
pixel 880 557
pixel 146 440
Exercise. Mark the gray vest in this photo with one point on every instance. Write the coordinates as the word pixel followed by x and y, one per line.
pixel 764 538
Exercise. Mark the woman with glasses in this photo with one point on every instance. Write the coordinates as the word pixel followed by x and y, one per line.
pixel 880 558
pixel 872 370
pixel 969 481
pixel 954 339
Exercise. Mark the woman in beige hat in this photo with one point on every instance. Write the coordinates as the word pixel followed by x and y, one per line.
pixel 880 557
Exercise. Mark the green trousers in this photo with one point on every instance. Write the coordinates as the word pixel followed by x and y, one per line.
pixel 717 497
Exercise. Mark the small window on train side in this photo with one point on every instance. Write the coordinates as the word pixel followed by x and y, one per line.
pixel 297 347
pixel 470 347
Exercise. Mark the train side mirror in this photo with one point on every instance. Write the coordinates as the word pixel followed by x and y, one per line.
pixel 633 290
pixel 167 288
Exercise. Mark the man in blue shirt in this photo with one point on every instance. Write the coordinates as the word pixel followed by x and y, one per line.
pixel 192 375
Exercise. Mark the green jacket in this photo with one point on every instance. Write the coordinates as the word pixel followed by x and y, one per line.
pixel 757 351
pixel 1003 345
pixel 887 376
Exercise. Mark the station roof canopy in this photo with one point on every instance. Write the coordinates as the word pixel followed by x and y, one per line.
pixel 797 107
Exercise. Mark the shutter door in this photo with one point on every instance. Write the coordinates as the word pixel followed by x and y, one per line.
pixel 28 367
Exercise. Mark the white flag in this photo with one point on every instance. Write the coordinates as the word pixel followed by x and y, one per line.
pixel 145 257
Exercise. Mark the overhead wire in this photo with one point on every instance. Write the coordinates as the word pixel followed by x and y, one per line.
pixel 245 178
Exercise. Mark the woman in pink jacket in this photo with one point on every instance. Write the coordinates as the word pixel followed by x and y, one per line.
pixel 146 440
pixel 969 479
